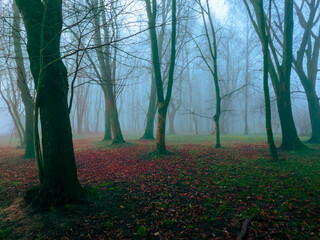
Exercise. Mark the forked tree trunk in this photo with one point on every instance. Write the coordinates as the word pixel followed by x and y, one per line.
pixel 163 101
pixel 43 21
pixel 290 139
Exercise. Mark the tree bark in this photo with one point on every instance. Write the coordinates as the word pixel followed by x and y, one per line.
pixel 148 133
pixel 106 74
pixel 22 85
pixel 280 76
pixel 290 139
pixel 163 101
pixel 43 21
pixel 107 120
pixel 306 65
pixel 265 49
pixel 161 130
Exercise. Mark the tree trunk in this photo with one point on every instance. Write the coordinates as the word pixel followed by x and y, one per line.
pixel 246 127
pixel 161 130
pixel 43 21
pixel 23 86
pixel 107 120
pixel 265 49
pixel 148 133
pixel 290 139
pixel 116 130
pixel 314 111
pixel 29 152
pixel 217 130
pixel 195 123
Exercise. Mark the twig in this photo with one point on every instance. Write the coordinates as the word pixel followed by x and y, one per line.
pixel 244 231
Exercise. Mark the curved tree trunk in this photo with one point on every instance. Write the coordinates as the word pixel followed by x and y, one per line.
pixel 265 50
pixel 314 111
pixel 43 21
pixel 22 85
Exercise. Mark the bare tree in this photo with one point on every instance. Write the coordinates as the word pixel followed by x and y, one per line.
pixel 280 73
pixel 163 102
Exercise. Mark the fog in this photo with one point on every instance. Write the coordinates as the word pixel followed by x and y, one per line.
pixel 128 53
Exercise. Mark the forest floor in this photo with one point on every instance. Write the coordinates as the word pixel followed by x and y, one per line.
pixel 196 192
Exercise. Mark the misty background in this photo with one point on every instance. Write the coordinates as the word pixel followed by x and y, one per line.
pixel 192 105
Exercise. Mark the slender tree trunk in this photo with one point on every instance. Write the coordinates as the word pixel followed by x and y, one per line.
pixel 265 48
pixel 106 74
pixel 107 120
pixel 43 21
pixel 161 130
pixel 246 127
pixel 195 123
pixel 23 86
pixel 148 133
pixel 163 101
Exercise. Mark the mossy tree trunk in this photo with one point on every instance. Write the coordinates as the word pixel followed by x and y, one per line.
pixel 57 168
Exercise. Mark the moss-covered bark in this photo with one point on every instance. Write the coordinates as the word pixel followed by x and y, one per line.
pixel 58 173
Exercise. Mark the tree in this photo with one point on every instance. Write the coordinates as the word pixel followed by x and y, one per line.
pixel 82 93
pixel 212 45
pixel 106 72
pixel 163 102
pixel 152 108
pixel 306 61
pixel 57 168
pixel 280 74
pixel 262 21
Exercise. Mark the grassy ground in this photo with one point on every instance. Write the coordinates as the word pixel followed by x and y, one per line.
pixel 196 192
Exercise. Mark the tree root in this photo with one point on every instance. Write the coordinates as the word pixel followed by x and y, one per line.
pixel 244 230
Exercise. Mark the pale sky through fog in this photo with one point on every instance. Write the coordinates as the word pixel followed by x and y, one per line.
pixel 220 9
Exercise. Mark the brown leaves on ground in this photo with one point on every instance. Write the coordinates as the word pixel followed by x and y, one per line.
pixel 196 192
